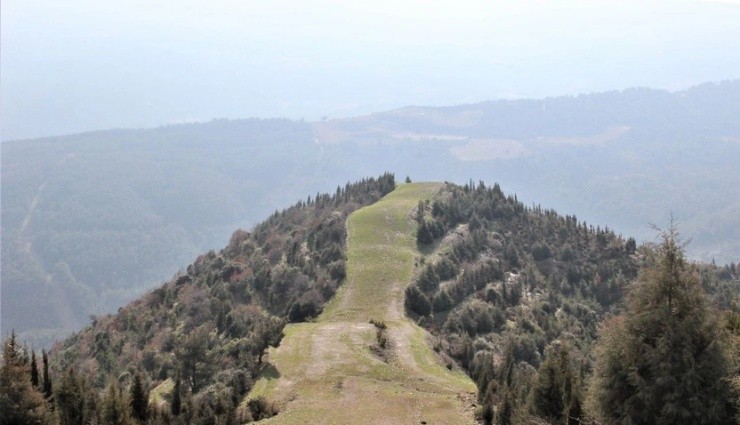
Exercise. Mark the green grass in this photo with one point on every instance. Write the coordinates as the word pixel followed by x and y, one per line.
pixel 380 252
pixel 158 395
pixel 325 372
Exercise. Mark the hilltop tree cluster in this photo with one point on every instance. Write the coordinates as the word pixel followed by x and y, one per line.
pixel 516 296
pixel 189 351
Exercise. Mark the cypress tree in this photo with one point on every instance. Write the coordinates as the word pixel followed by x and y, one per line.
pixel 139 400
pixel 48 389
pixel 176 405
pixel 34 370
pixel 506 409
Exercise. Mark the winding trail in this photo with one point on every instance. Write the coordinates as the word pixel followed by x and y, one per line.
pixel 325 372
pixel 60 303
pixel 29 214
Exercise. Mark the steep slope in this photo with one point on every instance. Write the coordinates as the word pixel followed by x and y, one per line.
pixel 327 372
pixel 103 217
pixel 517 296
pixel 210 326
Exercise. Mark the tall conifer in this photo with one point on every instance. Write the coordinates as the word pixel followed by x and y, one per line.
pixel 48 388
pixel 663 362
pixel 34 370
pixel 20 402
pixel 139 400
pixel 176 405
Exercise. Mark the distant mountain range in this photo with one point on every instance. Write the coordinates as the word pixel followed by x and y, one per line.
pixel 89 221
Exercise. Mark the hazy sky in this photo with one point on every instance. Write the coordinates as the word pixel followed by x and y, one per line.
pixel 76 65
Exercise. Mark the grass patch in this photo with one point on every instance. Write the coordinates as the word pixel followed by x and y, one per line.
pixel 427 359
pixel 327 372
pixel 159 394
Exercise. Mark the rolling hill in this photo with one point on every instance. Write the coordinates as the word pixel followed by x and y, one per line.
pixel 89 221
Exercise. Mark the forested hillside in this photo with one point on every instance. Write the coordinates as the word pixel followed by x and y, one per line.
pixel 89 221
pixel 203 334
pixel 556 321
pixel 518 296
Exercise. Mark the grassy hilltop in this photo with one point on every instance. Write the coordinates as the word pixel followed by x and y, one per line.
pixel 328 372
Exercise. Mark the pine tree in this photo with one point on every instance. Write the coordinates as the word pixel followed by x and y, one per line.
pixel 20 401
pixel 663 362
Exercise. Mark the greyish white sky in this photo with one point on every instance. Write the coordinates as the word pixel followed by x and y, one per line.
pixel 76 65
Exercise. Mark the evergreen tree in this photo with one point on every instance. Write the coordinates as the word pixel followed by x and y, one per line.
pixel 575 410
pixel 114 410
pixel 555 395
pixel 424 233
pixel 417 302
pixel 34 370
pixel 48 388
pixel 176 405
pixel 547 395
pixel 506 409
pixel 20 401
pixel 139 400
pixel 420 208
pixel 92 410
pixel 663 362
pixel 70 400
pixel 487 413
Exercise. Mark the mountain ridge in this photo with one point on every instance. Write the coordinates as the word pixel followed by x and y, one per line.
pixel 121 211
pixel 499 286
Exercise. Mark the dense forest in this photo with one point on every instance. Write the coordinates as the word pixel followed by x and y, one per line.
pixel 91 221
pixel 194 346
pixel 532 305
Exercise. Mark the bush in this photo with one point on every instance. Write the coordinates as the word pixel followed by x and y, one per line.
pixel 259 409
pixel 417 302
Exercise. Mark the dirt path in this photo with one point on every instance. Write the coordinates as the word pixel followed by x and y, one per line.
pixel 31 209
pixel 326 373
pixel 35 201
pixel 60 303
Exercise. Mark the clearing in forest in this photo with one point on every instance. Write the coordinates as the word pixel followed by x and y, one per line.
pixel 326 372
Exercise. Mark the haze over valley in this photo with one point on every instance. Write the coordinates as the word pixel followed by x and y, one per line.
pixel 91 220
